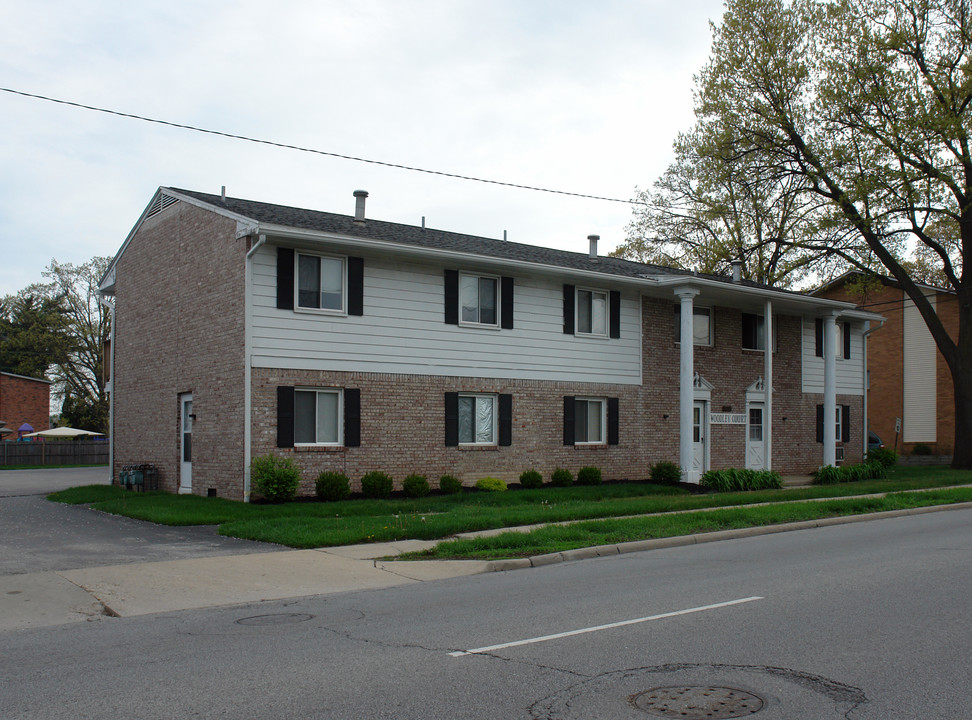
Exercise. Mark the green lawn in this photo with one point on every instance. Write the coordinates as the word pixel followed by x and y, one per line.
pixel 318 524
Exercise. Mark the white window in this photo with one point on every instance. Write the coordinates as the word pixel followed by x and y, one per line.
pixel 840 429
pixel 701 325
pixel 592 309
pixel 320 282
pixel 318 416
pixel 590 421
pixel 477 298
pixel 477 419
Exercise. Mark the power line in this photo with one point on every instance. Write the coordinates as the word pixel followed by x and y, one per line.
pixel 299 148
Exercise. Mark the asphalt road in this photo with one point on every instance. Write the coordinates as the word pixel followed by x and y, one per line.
pixel 865 621
pixel 40 536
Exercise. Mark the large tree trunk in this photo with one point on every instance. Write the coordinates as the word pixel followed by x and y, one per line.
pixel 962 456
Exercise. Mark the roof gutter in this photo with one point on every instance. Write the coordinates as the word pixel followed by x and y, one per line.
pixel 247 362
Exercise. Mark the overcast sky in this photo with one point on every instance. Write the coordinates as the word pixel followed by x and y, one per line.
pixel 584 97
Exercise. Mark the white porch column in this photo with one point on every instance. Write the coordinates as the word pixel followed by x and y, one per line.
pixel 768 384
pixel 830 391
pixel 686 377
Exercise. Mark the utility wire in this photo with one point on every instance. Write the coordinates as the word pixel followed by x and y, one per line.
pixel 312 150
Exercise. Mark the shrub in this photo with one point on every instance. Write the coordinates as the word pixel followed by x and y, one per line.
pixel 376 485
pixel 827 475
pixel 332 485
pixel 665 473
pixel 490 484
pixel 877 469
pixel 416 486
pixel 561 478
pixel 735 480
pixel 275 478
pixel 589 476
pixel 921 449
pixel 885 456
pixel 531 479
pixel 450 485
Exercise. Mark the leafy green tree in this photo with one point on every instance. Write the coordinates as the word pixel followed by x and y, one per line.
pixel 867 105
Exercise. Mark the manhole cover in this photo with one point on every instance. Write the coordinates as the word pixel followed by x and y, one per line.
pixel 278 619
pixel 697 703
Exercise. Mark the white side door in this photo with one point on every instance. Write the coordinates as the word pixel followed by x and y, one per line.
pixel 700 439
pixel 185 444
pixel 755 445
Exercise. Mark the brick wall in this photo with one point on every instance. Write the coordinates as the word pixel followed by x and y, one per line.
pixel 179 328
pixel 24 400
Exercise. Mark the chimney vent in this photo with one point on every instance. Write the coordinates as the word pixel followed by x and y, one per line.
pixel 222 193
pixel 359 205
pixel 593 239
pixel 736 270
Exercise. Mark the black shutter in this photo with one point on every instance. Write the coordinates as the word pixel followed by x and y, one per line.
pixel 355 286
pixel 285 416
pixel 845 423
pixel 505 420
pixel 615 314
pixel 569 431
pixel 352 417
pixel 749 340
pixel 569 312
pixel 452 297
pixel 820 424
pixel 285 278
pixel 506 303
pixel 612 421
pixel 818 336
pixel 847 340
pixel 451 419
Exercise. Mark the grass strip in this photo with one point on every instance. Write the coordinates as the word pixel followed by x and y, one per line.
pixel 552 539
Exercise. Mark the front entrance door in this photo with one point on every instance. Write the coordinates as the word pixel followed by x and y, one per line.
pixel 755 446
pixel 185 431
pixel 700 434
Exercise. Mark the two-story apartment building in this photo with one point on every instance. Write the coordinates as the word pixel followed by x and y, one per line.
pixel 243 328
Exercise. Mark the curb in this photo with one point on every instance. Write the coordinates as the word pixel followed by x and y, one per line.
pixel 589 553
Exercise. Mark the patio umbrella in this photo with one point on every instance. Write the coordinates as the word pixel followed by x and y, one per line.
pixel 61 432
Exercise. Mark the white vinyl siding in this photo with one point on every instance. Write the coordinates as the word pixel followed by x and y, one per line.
pixel 401 330
pixel 850 371
pixel 919 391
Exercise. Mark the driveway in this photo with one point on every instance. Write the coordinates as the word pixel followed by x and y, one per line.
pixel 41 536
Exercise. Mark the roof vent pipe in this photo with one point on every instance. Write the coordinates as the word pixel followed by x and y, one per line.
pixel 593 239
pixel 736 270
pixel 222 193
pixel 359 205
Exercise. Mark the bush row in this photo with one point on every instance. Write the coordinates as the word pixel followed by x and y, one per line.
pixel 874 467
pixel 735 480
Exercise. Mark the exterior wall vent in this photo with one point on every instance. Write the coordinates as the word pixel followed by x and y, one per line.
pixel 162 201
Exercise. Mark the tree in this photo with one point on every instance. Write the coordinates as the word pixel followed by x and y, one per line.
pixel 866 103
pixel 78 371
pixel 706 212
pixel 33 334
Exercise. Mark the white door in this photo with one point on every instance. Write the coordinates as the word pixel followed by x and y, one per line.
pixel 185 431
pixel 755 446
pixel 700 434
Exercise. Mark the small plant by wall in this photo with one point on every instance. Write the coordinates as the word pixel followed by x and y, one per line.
pixel 331 486
pixel 450 485
pixel 531 479
pixel 416 486
pixel 885 456
pixel 736 480
pixel 921 449
pixel 561 478
pixel 491 484
pixel 589 476
pixel 376 485
pixel 665 473
pixel 275 478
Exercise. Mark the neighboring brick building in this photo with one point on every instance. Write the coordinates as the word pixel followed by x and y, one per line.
pixel 242 328
pixel 24 400
pixel 908 377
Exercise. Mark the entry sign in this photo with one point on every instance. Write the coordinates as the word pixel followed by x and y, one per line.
pixel 897 425
pixel 722 418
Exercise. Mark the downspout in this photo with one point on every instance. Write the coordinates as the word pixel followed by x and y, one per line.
pixel 111 393
pixel 867 377
pixel 247 371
